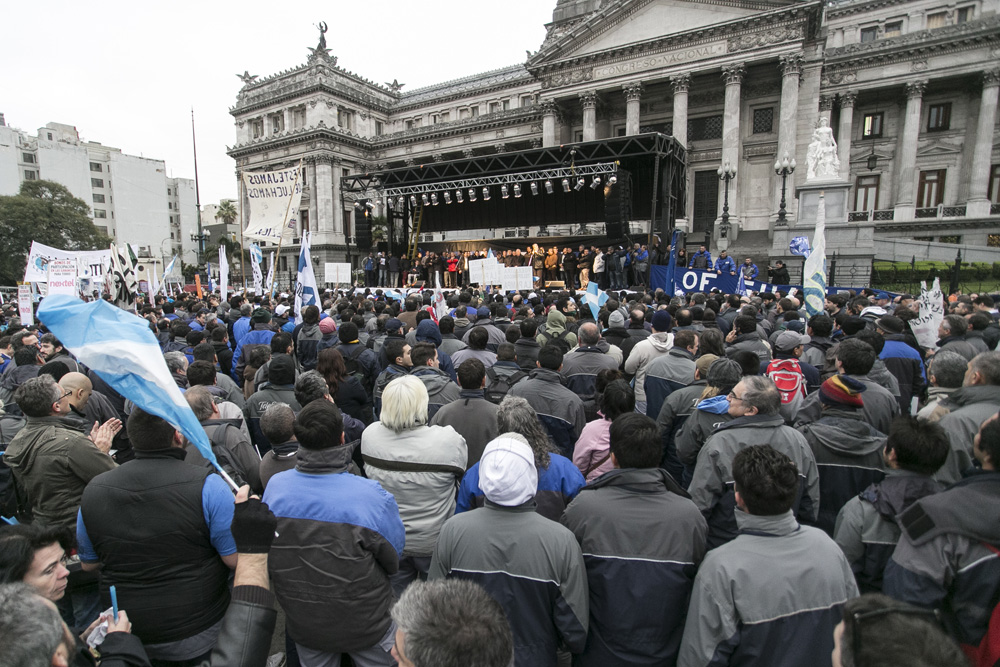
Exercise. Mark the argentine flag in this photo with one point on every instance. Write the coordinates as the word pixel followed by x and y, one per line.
pixel 595 298
pixel 814 271
pixel 125 353
pixel 306 290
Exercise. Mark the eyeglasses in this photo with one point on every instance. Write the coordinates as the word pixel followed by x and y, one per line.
pixel 733 397
pixel 68 393
pixel 930 615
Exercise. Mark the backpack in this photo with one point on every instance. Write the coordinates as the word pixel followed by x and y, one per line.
pixel 354 367
pixel 499 385
pixel 788 377
pixel 223 454
pixel 13 499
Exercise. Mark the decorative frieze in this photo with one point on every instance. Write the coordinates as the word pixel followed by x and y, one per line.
pixel 567 78
pixel 757 40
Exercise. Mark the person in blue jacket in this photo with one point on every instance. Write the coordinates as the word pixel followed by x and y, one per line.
pixel 725 264
pixel 701 259
pixel 749 269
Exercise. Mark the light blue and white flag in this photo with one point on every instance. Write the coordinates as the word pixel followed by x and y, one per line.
pixel 306 290
pixel 814 271
pixel 741 286
pixel 799 246
pixel 170 268
pixel 595 298
pixel 256 257
pixel 489 254
pixel 125 353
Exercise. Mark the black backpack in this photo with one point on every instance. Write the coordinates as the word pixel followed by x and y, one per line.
pixel 218 442
pixel 13 499
pixel 355 369
pixel 499 385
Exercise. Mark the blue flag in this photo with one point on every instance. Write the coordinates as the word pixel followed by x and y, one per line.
pixel 595 298
pixel 741 286
pixel 489 254
pixel 672 263
pixel 306 290
pixel 799 246
pixel 125 353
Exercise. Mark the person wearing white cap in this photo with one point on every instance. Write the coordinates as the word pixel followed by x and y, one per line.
pixel 532 566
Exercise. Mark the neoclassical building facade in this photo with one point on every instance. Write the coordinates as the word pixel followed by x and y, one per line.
pixel 909 87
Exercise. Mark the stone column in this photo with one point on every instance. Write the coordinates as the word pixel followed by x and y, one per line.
pixel 681 83
pixel 313 191
pixel 978 204
pixel 550 123
pixel 588 101
pixel 845 132
pixel 907 153
pixel 633 95
pixel 733 76
pixel 791 73
pixel 338 206
pixel 323 188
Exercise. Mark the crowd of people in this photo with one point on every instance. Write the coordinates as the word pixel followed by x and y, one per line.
pixel 515 478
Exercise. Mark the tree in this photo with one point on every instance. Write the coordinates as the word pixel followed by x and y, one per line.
pixel 227 212
pixel 46 212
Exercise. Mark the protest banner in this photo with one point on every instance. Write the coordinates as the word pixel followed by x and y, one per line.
pixel 524 278
pixel 24 304
pixel 476 272
pixel 273 198
pixel 930 315
pixel 62 276
pixel 91 264
pixel 337 273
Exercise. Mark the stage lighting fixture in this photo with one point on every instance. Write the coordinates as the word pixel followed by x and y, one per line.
pixel 565 184
pixel 517 191
pixel 400 202
pixel 447 197
pixel 459 196
pixel 424 199
pixel 486 194
pixel 534 188
pixel 579 184
pixel 413 201
pixel 504 191
pixel 472 194
pixel 548 187
pixel 595 182
pixel 434 199
pixel 612 180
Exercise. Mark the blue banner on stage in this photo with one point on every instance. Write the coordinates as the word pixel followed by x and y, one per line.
pixel 696 280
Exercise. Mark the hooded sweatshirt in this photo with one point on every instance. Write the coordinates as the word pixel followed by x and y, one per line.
pixel 555 327
pixel 440 389
pixel 642 355
pixel 11 381
pixel 848 455
pixel 708 415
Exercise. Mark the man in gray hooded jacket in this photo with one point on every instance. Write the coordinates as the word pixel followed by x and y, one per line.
pixel 440 388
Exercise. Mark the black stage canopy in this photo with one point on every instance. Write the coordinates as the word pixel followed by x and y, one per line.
pixel 640 178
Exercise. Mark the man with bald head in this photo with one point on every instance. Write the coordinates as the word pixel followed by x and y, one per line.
pixel 89 406
pixel 581 366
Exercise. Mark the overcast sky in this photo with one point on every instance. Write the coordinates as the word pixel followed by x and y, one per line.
pixel 127 74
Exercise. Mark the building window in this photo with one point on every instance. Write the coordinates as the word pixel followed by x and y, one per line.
pixel 50 135
pixel 257 128
pixel 871 126
pixel 993 241
pixel 170 206
pixel 97 182
pixel 445 116
pixel 965 14
pixel 866 195
pixel 869 34
pixel 298 118
pixel 937 20
pixel 939 117
pixel 474 111
pixel 100 213
pixel 345 119
pixel 27 158
pixel 894 29
pixel 494 107
pixel 277 123
pixel 763 120
pixel 30 175
pixel 379 128
pixel 168 192
pixel 302 177
pixel 527 100
pixel 620 132
pixel 95 166
pixel 303 221
pixel 994 187
pixel 98 198
pixel 930 188
pixel 709 127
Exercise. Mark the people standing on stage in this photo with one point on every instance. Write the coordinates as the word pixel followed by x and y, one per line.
pixel 552 265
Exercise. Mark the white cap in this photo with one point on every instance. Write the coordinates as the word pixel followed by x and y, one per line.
pixel 507 474
pixel 280 310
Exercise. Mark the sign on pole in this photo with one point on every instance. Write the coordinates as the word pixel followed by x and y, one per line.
pixel 337 273
pixel 62 275
pixel 930 315
pixel 24 304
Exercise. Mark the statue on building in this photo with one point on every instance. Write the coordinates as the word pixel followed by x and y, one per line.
pixel 322 35
pixel 247 78
pixel 822 163
pixel 395 86
pixel 321 53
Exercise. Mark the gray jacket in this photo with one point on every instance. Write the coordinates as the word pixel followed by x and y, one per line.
pixel 753 342
pixel 774 591
pixel 559 409
pixel 712 482
pixel 421 467
pixel 472 417
pixel 970 407
pixel 881 407
pixel 440 389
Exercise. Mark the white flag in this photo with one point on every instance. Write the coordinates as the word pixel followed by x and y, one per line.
pixel 814 270
pixel 269 283
pixel 223 272
pixel 274 198
pixel 306 290
pixel 256 256
pixel 154 283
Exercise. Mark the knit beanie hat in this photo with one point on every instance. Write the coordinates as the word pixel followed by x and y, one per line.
pixel 616 320
pixel 260 316
pixel 327 325
pixel 507 474
pixel 661 321
pixel 841 390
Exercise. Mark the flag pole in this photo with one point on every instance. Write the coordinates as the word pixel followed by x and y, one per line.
pixel 281 237
pixel 243 267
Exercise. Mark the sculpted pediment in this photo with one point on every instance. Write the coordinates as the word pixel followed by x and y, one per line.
pixel 938 148
pixel 636 21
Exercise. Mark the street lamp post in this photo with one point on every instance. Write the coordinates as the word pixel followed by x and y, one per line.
pixel 726 173
pixel 783 168
pixel 200 239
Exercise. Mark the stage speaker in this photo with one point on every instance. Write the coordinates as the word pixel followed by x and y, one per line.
pixel 362 229
pixel 618 206
pixel 554 283
pixel 418 284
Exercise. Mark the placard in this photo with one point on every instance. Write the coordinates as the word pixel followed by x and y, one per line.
pixel 337 272
pixel 24 304
pixel 508 279
pixel 476 274
pixel 930 315
pixel 62 276
pixel 525 278
pixel 493 272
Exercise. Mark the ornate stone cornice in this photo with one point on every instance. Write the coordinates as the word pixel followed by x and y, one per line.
pixel 856 7
pixel 588 99
pixel 733 74
pixel 791 63
pixel 681 82
pixel 297 137
pixel 915 89
pixel 633 91
pixel 490 121
pixel 847 99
